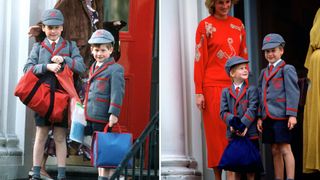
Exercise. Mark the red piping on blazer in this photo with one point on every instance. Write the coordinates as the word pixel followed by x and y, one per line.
pixel 265 91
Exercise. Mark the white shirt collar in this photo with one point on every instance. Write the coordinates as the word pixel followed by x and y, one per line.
pixel 54 41
pixel 235 85
pixel 99 63
pixel 275 63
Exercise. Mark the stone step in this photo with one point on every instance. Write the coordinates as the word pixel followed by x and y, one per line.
pixel 88 173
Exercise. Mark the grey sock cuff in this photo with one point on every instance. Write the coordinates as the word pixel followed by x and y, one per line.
pixel 36 171
pixel 102 178
pixel 61 172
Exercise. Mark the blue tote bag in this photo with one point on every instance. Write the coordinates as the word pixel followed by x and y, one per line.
pixel 108 148
pixel 241 155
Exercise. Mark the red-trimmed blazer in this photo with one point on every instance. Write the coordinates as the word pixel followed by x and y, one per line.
pixel 279 92
pixel 244 106
pixel 104 92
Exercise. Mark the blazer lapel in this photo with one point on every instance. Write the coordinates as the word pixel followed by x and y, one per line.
pixel 232 91
pixel 278 67
pixel 242 92
pixel 104 66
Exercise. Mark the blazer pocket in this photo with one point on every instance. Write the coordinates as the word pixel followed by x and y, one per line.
pixel 281 100
pixel 277 83
pixel 102 107
pixel 102 100
pixel 102 78
pixel 244 104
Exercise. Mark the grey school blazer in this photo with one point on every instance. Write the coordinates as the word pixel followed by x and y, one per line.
pixel 42 53
pixel 244 106
pixel 105 91
pixel 279 92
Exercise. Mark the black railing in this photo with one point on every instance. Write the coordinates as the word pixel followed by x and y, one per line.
pixel 133 164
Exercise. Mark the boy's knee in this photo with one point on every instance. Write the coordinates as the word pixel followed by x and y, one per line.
pixel 275 149
pixel 59 139
pixel 59 136
pixel 42 139
pixel 285 149
pixel 41 134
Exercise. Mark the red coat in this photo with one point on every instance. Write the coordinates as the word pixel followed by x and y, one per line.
pixel 216 41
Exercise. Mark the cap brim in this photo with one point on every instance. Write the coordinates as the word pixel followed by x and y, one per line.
pixel 52 22
pixel 270 46
pixel 234 64
pixel 239 62
pixel 99 41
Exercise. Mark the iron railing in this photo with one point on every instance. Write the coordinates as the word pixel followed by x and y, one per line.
pixel 136 155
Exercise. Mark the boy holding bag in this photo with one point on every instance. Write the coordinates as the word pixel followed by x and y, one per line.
pixel 239 104
pixel 47 57
pixel 105 88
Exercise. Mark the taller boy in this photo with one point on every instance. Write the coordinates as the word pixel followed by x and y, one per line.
pixel 279 93
pixel 47 57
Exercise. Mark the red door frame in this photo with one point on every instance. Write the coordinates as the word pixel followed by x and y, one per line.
pixel 136 57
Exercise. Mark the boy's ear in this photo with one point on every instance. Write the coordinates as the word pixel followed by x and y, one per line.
pixel 232 73
pixel 282 50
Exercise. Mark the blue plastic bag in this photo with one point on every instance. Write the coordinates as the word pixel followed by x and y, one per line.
pixel 108 149
pixel 78 121
pixel 241 156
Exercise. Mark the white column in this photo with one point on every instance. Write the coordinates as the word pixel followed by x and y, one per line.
pixel 176 162
pixel 188 16
pixel 13 54
pixel 9 57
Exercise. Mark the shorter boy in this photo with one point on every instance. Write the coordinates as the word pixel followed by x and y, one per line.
pixel 279 93
pixel 239 104
pixel 105 89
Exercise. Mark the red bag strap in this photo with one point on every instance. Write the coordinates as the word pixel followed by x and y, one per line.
pixel 108 129
pixel 36 87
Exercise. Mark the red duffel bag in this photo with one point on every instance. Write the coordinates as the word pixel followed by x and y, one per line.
pixel 43 98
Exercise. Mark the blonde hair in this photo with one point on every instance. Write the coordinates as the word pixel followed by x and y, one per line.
pixel 210 5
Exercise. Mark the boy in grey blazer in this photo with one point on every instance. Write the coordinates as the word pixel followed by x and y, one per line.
pixel 105 89
pixel 279 98
pixel 47 58
pixel 239 104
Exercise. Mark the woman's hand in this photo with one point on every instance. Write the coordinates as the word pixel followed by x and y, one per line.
pixel 259 125
pixel 34 31
pixel 200 102
pixel 53 67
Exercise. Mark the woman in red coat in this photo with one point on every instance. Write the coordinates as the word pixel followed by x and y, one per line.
pixel 218 37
